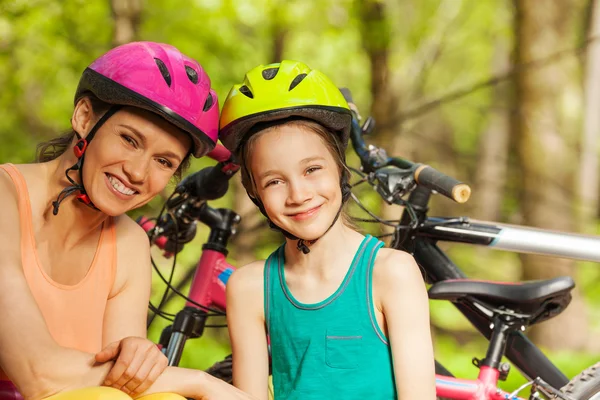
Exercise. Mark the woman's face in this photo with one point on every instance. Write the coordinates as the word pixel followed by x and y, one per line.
pixel 131 159
pixel 297 180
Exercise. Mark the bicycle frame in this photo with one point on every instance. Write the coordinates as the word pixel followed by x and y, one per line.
pixel 207 290
pixel 483 388
pixel 421 242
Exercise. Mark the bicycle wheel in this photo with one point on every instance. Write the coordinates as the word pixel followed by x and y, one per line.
pixel 222 370
pixel 586 385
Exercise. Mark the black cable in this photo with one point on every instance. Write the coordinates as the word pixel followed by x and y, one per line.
pixel 157 310
pixel 165 293
pixel 200 306
pixel 362 207
pixel 374 220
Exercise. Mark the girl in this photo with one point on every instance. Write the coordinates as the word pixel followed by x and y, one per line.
pixel 346 318
pixel 74 269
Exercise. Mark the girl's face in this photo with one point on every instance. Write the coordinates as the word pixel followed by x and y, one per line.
pixel 297 180
pixel 131 159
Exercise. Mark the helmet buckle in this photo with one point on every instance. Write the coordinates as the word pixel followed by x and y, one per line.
pixel 80 147
pixel 84 198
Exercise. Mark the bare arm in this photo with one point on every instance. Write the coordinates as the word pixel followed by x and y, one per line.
pixel 29 356
pixel 138 361
pixel 36 364
pixel 403 299
pixel 246 321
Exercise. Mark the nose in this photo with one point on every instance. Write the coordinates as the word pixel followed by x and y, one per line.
pixel 299 192
pixel 136 169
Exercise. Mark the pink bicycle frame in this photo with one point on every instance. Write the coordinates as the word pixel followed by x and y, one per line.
pixel 485 387
pixel 208 286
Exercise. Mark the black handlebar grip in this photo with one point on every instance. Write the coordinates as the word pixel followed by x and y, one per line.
pixel 433 179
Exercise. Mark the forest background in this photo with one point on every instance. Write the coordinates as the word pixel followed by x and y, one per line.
pixel 502 94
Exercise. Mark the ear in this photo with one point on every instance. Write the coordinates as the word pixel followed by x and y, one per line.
pixel 83 117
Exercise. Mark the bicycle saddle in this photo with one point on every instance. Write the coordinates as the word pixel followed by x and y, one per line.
pixel 536 301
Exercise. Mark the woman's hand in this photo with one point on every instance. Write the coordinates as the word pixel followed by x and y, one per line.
pixel 138 363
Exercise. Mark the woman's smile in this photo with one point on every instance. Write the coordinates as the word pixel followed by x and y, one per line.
pixel 118 188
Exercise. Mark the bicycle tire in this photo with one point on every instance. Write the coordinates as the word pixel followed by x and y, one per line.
pixel 586 385
pixel 223 370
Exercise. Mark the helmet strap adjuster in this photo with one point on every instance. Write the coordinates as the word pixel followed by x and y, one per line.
pixel 80 147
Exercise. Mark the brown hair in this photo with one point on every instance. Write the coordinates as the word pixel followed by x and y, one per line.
pixel 331 140
pixel 54 148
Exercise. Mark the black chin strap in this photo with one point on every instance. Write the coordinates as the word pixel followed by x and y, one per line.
pixel 79 150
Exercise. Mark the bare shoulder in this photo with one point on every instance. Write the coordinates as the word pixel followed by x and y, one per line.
pixel 8 192
pixel 247 279
pixel 133 254
pixel 245 292
pixel 396 268
pixel 130 233
pixel 9 218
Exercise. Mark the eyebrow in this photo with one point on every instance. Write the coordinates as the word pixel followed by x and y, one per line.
pixel 144 141
pixel 303 161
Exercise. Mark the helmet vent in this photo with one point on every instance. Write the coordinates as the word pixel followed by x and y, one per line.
pixel 297 81
pixel 192 74
pixel 246 91
pixel 209 102
pixel 163 70
pixel 269 73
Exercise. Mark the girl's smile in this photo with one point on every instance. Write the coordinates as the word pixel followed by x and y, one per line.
pixel 304 215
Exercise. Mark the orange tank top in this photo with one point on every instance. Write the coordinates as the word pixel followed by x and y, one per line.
pixel 74 314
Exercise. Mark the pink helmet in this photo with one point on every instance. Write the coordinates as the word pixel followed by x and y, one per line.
pixel 159 78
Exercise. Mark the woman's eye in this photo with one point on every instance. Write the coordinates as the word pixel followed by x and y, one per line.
pixel 165 162
pixel 129 140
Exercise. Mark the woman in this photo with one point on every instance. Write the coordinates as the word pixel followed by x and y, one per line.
pixel 346 318
pixel 74 269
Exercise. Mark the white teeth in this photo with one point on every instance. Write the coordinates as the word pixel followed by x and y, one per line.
pixel 119 187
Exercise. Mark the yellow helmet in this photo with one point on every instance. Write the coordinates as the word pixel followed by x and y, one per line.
pixel 278 91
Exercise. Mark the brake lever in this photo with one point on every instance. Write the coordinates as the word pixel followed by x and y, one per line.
pixel 392 183
pixel 377 157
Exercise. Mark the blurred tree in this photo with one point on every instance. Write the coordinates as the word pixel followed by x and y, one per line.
pixel 544 138
pixel 490 177
pixel 588 185
pixel 126 14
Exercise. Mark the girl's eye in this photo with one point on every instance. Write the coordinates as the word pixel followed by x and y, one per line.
pixel 129 140
pixel 165 162
pixel 273 182
pixel 310 170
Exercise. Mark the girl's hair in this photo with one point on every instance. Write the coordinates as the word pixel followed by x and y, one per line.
pixel 54 148
pixel 330 139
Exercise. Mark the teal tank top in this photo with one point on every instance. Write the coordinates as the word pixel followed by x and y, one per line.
pixel 333 349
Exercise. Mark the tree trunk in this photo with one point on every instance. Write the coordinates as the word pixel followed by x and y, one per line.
pixel 126 14
pixel 490 176
pixel 588 165
pixel 543 154
pixel 376 38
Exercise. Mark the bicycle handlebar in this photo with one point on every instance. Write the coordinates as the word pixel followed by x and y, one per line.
pixel 373 158
pixel 433 179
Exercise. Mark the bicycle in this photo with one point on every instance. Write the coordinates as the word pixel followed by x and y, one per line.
pixel 169 232
pixel 499 311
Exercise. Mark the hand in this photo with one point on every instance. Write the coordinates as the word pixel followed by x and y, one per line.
pixel 138 364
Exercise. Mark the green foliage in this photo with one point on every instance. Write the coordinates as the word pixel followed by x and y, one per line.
pixel 436 47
